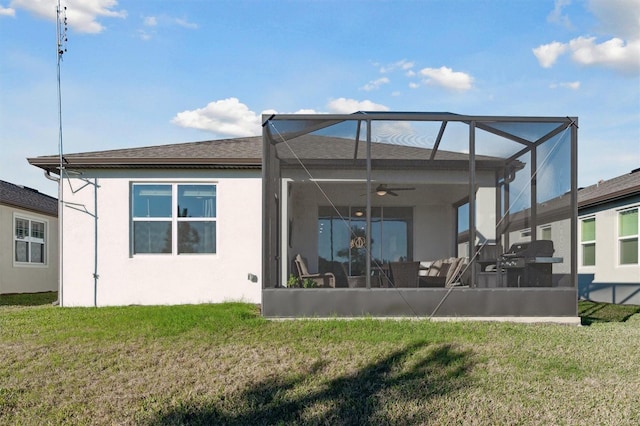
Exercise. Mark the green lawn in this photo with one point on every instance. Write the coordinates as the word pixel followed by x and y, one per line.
pixel 224 364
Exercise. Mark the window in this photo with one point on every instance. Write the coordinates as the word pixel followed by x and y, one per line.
pixel 173 218
pixel 628 236
pixel 545 232
pixel 29 241
pixel 588 241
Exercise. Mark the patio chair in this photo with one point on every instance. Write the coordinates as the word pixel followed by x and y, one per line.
pixel 404 274
pixel 353 281
pixel 436 275
pixel 454 275
pixel 326 279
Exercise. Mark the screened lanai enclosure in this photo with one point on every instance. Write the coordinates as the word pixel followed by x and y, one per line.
pixel 391 214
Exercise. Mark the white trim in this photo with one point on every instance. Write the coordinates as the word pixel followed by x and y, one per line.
pixel 636 236
pixel 174 219
pixel 581 243
pixel 543 228
pixel 45 241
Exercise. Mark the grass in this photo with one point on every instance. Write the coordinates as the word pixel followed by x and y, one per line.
pixel 28 299
pixel 224 364
pixel 595 312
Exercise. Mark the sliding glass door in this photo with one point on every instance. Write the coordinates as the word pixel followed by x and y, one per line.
pixel 342 247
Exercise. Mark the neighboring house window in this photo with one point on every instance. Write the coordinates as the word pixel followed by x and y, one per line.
pixel 588 241
pixel 545 233
pixel 628 236
pixel 30 244
pixel 173 218
pixel 525 233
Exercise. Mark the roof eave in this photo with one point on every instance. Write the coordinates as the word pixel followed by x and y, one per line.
pixel 607 198
pixel 53 163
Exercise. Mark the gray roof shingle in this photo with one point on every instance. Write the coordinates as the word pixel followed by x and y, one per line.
pixel 604 191
pixel 27 198
pixel 240 152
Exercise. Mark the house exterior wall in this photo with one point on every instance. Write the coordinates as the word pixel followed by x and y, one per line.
pixel 608 281
pixel 155 279
pixel 27 278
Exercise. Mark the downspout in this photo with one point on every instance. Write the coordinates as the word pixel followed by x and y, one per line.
pixel 368 225
pixel 95 243
pixel 47 174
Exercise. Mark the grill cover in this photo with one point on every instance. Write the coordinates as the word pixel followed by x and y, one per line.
pixel 532 249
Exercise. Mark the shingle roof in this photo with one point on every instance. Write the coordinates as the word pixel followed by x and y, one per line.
pixel 27 198
pixel 239 152
pixel 609 190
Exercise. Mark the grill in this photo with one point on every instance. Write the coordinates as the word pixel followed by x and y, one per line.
pixel 529 264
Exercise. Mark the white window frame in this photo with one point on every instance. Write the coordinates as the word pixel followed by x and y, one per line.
pixel 542 230
pixel 174 219
pixel 619 239
pixel 30 239
pixel 583 243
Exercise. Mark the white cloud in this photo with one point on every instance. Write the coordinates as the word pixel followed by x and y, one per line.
pixel 413 85
pixel 230 117
pixel 375 84
pixel 447 78
pixel 82 15
pixel 227 117
pixel 574 85
pixel 348 106
pixel 150 21
pixel 619 22
pixel 186 24
pixel 614 53
pixel 146 35
pixel 547 54
pixel 402 64
pixel 7 11
pixel 301 111
pixel 556 15
pixel 162 21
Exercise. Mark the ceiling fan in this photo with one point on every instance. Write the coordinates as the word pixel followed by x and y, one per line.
pixel 383 190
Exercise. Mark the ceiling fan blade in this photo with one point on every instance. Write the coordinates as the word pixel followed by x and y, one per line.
pixel 392 193
pixel 407 188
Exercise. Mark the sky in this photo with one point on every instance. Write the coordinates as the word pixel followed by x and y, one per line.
pixel 150 72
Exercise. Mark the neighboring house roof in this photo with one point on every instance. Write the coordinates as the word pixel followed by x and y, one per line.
pixel 610 190
pixel 27 198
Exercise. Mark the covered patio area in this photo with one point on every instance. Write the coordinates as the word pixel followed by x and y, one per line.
pixel 419 214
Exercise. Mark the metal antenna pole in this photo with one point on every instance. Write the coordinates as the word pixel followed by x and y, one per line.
pixel 61 40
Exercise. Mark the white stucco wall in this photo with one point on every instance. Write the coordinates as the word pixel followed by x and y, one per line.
pixel 27 278
pixel 125 279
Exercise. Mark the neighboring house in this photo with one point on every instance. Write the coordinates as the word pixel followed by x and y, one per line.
pixel 223 220
pixel 28 240
pixel 609 264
